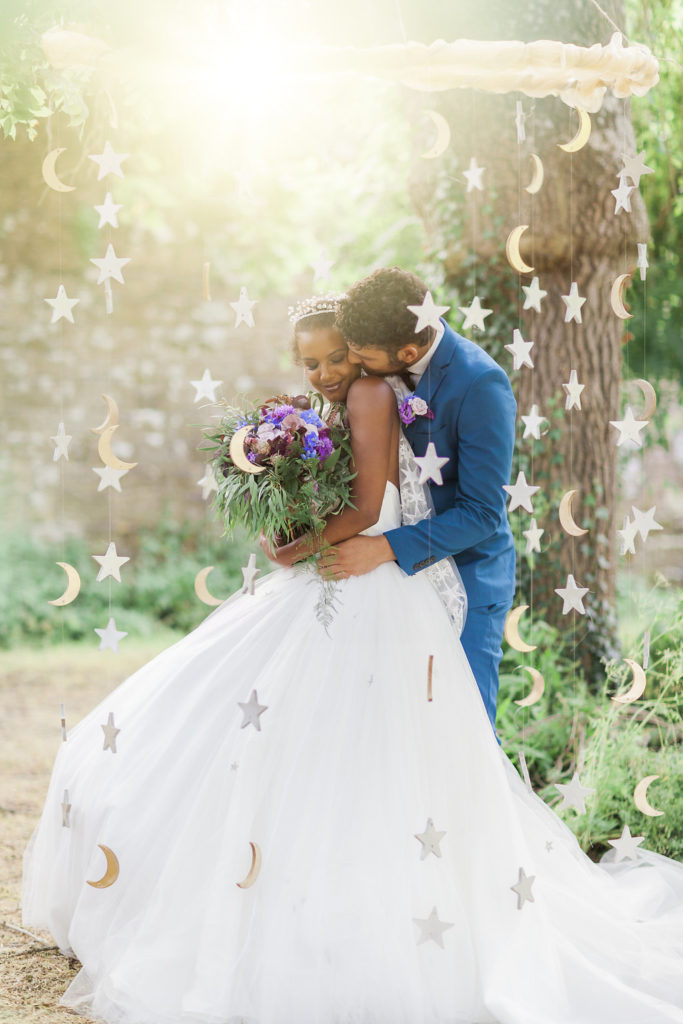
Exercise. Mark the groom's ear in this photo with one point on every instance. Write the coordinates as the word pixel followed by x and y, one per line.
pixel 409 354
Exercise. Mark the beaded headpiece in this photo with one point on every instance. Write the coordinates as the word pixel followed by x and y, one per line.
pixel 317 304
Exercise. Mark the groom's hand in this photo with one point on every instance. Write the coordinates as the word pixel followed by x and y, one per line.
pixel 355 557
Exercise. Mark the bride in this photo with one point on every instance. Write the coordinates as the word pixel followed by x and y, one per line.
pixel 311 826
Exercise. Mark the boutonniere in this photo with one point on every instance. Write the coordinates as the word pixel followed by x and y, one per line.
pixel 411 407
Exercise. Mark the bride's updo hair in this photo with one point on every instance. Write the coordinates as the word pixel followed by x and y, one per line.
pixel 312 314
pixel 374 311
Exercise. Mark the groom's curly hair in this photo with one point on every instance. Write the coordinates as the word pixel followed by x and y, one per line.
pixel 374 311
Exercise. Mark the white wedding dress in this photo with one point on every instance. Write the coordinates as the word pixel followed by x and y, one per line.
pixel 351 919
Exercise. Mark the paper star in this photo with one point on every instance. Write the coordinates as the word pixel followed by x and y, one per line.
pixel 430 840
pixel 626 845
pixel 622 196
pixel 642 263
pixel 62 442
pixel 520 118
pixel 532 424
pixel 629 428
pixel 473 175
pixel 208 482
pixel 234 766
pixel 428 314
pixel 243 309
pixel 321 268
pixel 62 306
pixel 66 810
pixel 110 733
pixel 572 595
pixel 108 162
pixel 249 574
pixel 109 637
pixel 206 387
pixel 521 493
pixel 573 390
pixel 109 477
pixel 108 211
pixel 110 265
pixel 634 167
pixel 432 928
pixel 533 294
pixel 430 465
pixel 548 845
pixel 573 794
pixel 533 538
pixel 573 302
pixel 644 522
pixel 110 563
pixel 474 314
pixel 627 536
pixel 523 888
pixel 252 711
pixel 520 350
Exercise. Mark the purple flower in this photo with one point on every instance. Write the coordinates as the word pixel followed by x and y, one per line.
pixel 325 448
pixel 413 406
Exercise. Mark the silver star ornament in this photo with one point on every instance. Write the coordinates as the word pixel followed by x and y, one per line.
pixel 521 494
pixel 572 596
pixel 206 387
pixel 62 306
pixel 252 711
pixel 430 465
pixel 573 303
pixel 520 350
pixel 533 538
pixel 532 424
pixel 428 314
pixel 110 265
pixel 474 314
pixel 109 477
pixel 644 522
pixel 243 309
pixel 533 294
pixel 573 794
pixel 61 441
pixel 523 888
pixel 627 537
pixel 473 175
pixel 573 391
pixel 430 840
pixel 626 845
pixel 108 162
pixel 629 428
pixel 634 167
pixel 108 211
pixel 110 563
pixel 622 196
pixel 110 733
pixel 432 928
pixel 110 636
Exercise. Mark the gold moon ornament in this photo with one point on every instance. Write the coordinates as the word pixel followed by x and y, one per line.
pixel 73 585
pixel 253 871
pixel 650 396
pixel 537 178
pixel 512 630
pixel 107 455
pixel 512 250
pixel 112 417
pixel 567 517
pixel 443 135
pixel 582 135
pixel 640 797
pixel 616 297
pixel 202 590
pixel 537 689
pixel 50 174
pixel 237 452
pixel 112 870
pixel 637 688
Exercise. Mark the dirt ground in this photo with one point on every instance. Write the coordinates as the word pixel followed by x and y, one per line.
pixel 33 683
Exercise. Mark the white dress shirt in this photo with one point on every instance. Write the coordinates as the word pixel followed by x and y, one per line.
pixel 418 368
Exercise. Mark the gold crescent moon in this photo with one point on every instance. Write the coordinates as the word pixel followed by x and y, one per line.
pixel 650 396
pixel 537 689
pixel 252 873
pixel 567 517
pixel 105 452
pixel 112 417
pixel 201 589
pixel 637 686
pixel 512 250
pixel 237 452
pixel 443 135
pixel 112 871
pixel 73 585
pixel 534 185
pixel 582 135
pixel 511 631
pixel 50 174
pixel 616 298
pixel 640 797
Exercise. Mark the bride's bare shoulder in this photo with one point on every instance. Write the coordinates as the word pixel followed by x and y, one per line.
pixel 370 389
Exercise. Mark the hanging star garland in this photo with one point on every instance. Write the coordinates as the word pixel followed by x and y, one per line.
pixel 110 563
pixel 321 268
pixel 572 596
pixel 110 265
pixel 644 522
pixel 430 465
pixel 520 350
pixel 109 637
pixel 108 162
pixel 521 494
pixel 61 441
pixel 627 536
pixel 206 387
pixel 474 314
pixel 634 167
pixel 243 309
pixel 533 295
pixel 629 428
pixel 626 845
pixel 573 794
pixel 473 176
pixel 109 477
pixel 533 538
pixel 622 195
pixel 532 424
pixel 573 303
pixel 108 211
pixel 573 391
pixel 208 482
pixel 62 306
pixel 428 314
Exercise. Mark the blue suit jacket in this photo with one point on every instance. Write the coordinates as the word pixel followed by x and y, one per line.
pixel 474 425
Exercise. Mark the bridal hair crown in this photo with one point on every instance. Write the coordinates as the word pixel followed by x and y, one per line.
pixel 317 304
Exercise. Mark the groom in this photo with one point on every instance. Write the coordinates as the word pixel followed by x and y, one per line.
pixel 474 427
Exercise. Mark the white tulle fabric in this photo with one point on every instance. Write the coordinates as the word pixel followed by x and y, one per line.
pixel 351 761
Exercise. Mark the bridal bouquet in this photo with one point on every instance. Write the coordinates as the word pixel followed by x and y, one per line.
pixel 281 467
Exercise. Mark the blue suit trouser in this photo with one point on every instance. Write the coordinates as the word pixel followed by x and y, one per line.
pixel 481 640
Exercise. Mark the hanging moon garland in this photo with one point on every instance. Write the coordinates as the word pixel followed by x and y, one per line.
pixel 112 870
pixel 512 250
pixel 112 417
pixel 443 135
pixel 537 689
pixel 107 455
pixel 582 135
pixel 616 297
pixel 638 684
pixel 534 185
pixel 640 797
pixel 253 871
pixel 512 630
pixel 237 452
pixel 567 518
pixel 201 589
pixel 73 585
pixel 50 174
pixel 650 396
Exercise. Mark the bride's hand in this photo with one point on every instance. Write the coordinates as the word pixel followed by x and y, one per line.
pixel 285 555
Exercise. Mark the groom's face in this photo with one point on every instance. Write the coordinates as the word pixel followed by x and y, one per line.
pixel 380 362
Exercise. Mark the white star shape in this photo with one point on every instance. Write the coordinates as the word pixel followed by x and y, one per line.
pixel 573 391
pixel 573 302
pixel 642 263
pixel 474 314
pixel 627 535
pixel 634 167
pixel 66 810
pixel 110 636
pixel 61 442
pixel 533 294
pixel 432 928
pixel 626 845
pixel 208 483
pixel 249 574
pixel 428 314
pixel 110 265
pixel 110 733
pixel 520 118
pixel 473 175
pixel 520 350
pixel 629 428
pixel 108 211
pixel 62 306
pixel 533 538
pixel 521 494
pixel 548 845
pixel 572 595
pixel 110 563
pixel 430 465
pixel 523 888
pixel 573 794
pixel 206 387
pixel 322 267
pixel 622 196
pixel 532 424
pixel 644 522
pixel 243 309
pixel 108 162
pixel 109 477
pixel 430 840
pixel 252 711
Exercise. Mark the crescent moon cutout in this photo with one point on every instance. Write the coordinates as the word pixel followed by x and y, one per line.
pixel 537 689
pixel 567 517
pixel 512 630
pixel 443 135
pixel 112 871
pixel 637 686
pixel 512 250
pixel 640 797
pixel 202 590
pixel 237 452
pixel 50 174
pixel 582 135
pixel 650 396
pixel 73 585
pixel 105 452
pixel 253 871
pixel 616 297
pixel 537 177
pixel 112 417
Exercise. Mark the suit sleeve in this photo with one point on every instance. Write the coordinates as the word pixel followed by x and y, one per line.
pixel 485 442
